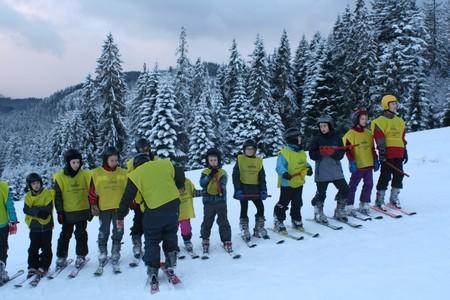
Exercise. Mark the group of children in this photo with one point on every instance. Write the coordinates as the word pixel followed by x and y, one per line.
pixel 162 197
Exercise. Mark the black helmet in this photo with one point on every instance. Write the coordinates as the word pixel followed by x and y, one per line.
pixel 292 132
pixel 140 159
pixel 213 152
pixel 109 151
pixel 357 114
pixel 142 143
pixel 249 143
pixel 72 154
pixel 326 119
pixel 32 177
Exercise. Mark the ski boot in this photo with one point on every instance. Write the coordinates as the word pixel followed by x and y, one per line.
pixel 259 230
pixel 350 210
pixel 103 254
pixel 137 245
pixel 339 212
pixel 393 199
pixel 31 272
pixel 153 278
pixel 80 261
pixel 61 262
pixel 205 246
pixel 228 246
pixel 297 225
pixel 3 273
pixel 379 200
pixel 279 227
pixel 171 261
pixel 115 252
pixel 188 245
pixel 319 216
pixel 364 208
pixel 245 233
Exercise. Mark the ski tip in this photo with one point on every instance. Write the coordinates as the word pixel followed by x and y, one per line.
pixel 316 235
pixel 236 256
pixel 205 257
pixel 280 242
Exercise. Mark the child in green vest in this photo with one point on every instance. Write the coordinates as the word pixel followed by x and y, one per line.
pixel 292 167
pixel 187 212
pixel 71 186
pixel 107 187
pixel 38 209
pixel 214 181
pixel 8 225
pixel 249 180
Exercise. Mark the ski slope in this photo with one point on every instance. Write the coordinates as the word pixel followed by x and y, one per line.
pixel 407 258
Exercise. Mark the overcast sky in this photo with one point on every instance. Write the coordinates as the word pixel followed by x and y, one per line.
pixel 46 45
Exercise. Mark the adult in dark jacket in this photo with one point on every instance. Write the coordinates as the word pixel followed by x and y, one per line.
pixel 325 152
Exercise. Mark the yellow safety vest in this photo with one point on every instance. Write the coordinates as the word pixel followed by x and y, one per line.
pixel 393 130
pixel 4 191
pixel 186 201
pixel 155 181
pixel 75 190
pixel 249 168
pixel 297 166
pixel 212 187
pixel 46 197
pixel 363 152
pixel 109 186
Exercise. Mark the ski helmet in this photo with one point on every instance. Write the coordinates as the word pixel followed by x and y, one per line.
pixel 140 159
pixel 32 177
pixel 326 119
pixel 109 151
pixel 386 100
pixel 213 152
pixel 249 143
pixel 72 154
pixel 142 143
pixel 357 114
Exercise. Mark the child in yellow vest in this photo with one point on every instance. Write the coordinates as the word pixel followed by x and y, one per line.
pixel 362 161
pixel 8 225
pixel 38 209
pixel 389 132
pixel 187 212
pixel 249 180
pixel 71 186
pixel 292 167
pixel 107 187
pixel 214 181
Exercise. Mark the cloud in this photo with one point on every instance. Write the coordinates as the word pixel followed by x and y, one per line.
pixel 33 32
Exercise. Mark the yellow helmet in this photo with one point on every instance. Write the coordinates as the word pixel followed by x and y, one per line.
pixel 386 100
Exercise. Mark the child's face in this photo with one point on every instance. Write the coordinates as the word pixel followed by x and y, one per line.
pixel 324 128
pixel 36 186
pixel 75 164
pixel 393 106
pixel 213 161
pixel 250 151
pixel 363 120
pixel 112 161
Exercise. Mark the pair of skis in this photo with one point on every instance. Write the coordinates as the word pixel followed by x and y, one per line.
pixel 389 212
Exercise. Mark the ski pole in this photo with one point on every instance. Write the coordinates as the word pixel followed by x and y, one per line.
pixel 254 196
pixel 396 169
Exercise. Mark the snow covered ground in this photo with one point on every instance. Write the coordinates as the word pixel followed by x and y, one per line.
pixel 406 258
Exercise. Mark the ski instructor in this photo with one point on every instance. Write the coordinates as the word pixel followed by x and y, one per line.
pixel 159 183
